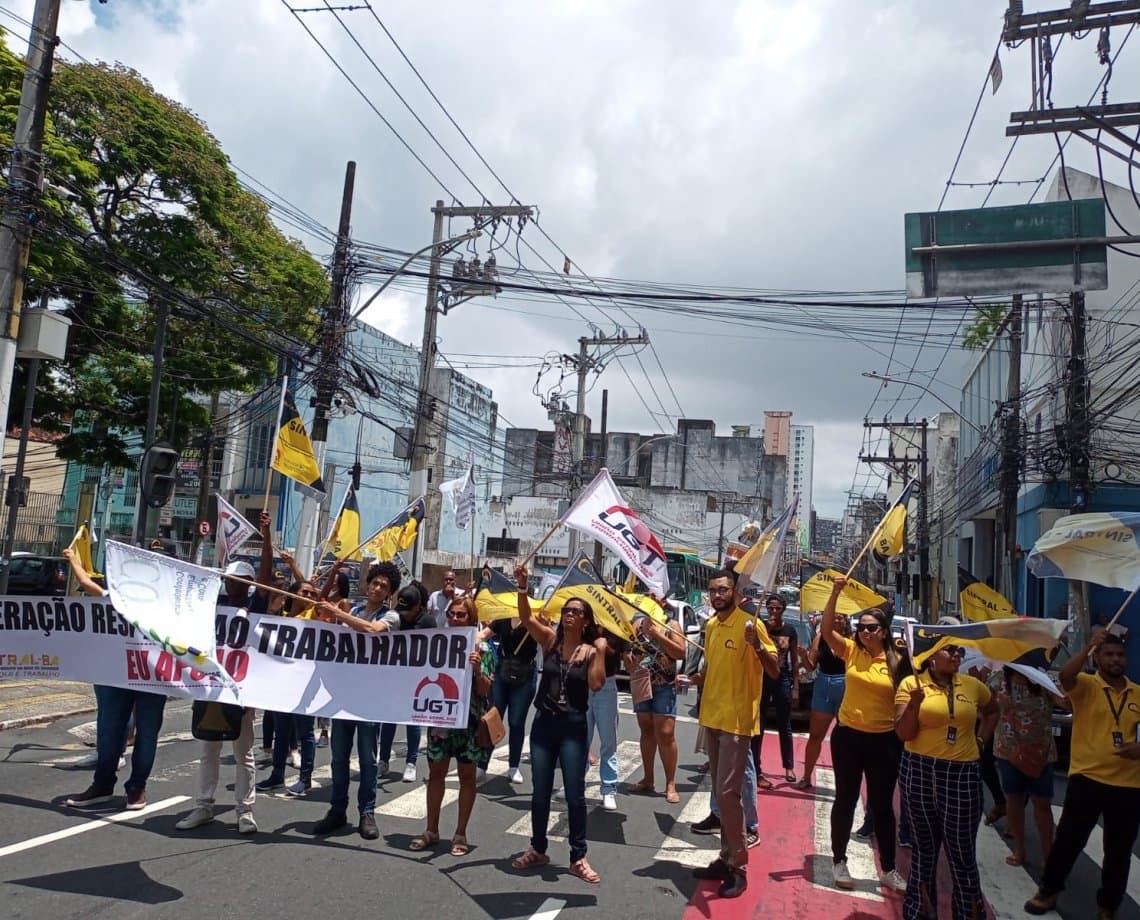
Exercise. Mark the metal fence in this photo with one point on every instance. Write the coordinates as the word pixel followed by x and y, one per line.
pixel 37 526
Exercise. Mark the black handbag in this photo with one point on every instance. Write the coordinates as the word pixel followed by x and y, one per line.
pixel 514 671
pixel 210 721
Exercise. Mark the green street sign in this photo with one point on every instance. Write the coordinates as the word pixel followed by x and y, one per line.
pixel 1053 247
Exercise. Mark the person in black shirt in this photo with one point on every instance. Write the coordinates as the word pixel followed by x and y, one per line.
pixel 778 690
pixel 515 682
pixel 573 665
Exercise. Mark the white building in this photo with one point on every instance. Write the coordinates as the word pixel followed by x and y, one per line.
pixel 801 463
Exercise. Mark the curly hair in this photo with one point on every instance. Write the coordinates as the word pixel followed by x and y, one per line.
pixel 387 570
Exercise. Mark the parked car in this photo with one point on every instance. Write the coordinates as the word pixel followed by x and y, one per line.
pixel 30 574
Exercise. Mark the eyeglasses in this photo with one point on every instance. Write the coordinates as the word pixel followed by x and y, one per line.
pixel 455 614
pixel 720 590
pixel 954 651
pixel 867 627
pixel 577 611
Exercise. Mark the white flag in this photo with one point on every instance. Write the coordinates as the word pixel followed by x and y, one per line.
pixel 170 601
pixel 233 530
pixel 759 564
pixel 460 495
pixel 602 514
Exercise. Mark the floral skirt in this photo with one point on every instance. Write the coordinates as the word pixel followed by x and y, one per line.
pixel 444 744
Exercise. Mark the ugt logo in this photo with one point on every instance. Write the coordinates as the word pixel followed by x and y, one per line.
pixel 632 530
pixel 436 698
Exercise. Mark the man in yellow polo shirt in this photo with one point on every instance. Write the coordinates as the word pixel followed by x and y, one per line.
pixel 1104 775
pixel 737 649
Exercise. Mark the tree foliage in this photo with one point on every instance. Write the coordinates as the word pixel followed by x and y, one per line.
pixel 140 203
pixel 986 323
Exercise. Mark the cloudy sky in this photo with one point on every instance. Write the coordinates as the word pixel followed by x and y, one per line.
pixel 764 145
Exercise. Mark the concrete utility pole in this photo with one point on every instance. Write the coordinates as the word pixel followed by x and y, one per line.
pixel 426 422
pixel 605 462
pixel 1011 446
pixel 1077 433
pixel 22 195
pixel 583 363
pixel 332 333
pixel 205 468
pixel 161 315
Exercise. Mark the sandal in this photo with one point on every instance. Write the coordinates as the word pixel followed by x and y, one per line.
pixel 789 777
pixel 804 785
pixel 459 845
pixel 1014 860
pixel 994 815
pixel 581 869
pixel 673 797
pixel 531 859
pixel 763 782
pixel 423 841
pixel 643 787
pixel 704 768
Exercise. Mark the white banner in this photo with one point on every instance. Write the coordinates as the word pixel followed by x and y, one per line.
pixel 602 514
pixel 419 677
pixel 460 495
pixel 233 530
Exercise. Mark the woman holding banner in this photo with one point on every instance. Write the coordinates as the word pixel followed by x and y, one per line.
pixel 573 664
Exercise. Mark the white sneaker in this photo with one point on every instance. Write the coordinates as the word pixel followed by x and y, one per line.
pixel 203 814
pixel 295 760
pixel 841 876
pixel 122 763
pixel 515 776
pixel 558 793
pixel 246 824
pixel 90 759
pixel 409 773
pixel 892 880
pixel 609 802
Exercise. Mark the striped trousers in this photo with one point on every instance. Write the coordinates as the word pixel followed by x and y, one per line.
pixel 944 798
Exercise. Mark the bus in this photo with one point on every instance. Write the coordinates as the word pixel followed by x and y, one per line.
pixel 688 575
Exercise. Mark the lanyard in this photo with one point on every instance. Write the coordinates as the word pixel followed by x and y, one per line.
pixel 950 697
pixel 1116 710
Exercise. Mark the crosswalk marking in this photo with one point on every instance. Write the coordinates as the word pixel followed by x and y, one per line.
pixel 1094 850
pixel 860 855
pixel 685 852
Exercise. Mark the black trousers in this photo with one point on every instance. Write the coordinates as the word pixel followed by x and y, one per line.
pixel 777 692
pixel 988 765
pixel 855 754
pixel 1086 802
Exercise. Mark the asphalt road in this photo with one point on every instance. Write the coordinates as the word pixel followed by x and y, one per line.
pixel 64 863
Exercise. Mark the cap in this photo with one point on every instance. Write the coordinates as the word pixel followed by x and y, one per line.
pixel 408 598
pixel 241 569
pixel 161 545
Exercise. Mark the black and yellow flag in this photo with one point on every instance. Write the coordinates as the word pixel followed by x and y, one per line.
pixel 399 533
pixel 345 534
pixel 889 538
pixel 581 581
pixel 293 454
pixel 816 589
pixel 496 596
pixel 980 602
pixel 1016 640
pixel 81 546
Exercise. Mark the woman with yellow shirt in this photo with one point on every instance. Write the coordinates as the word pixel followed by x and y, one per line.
pixel 936 716
pixel 863 743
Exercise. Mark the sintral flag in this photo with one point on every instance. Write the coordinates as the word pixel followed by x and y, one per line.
pixel 345 534
pixel 496 596
pixel 979 602
pixel 81 546
pixel 399 533
pixel 293 454
pixel 1019 640
pixel 856 596
pixel 581 581
pixel 760 561
pixel 603 515
pixel 233 530
pixel 1101 547
pixel 889 538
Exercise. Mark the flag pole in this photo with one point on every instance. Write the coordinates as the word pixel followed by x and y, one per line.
pixel 1127 601
pixel 541 543
pixel 875 532
pixel 273 445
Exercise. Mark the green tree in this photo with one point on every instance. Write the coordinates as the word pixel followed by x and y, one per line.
pixel 986 322
pixel 142 202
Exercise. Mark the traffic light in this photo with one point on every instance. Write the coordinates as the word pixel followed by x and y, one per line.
pixel 157 474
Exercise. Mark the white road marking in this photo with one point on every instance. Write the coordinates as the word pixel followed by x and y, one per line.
pixel 1094 850
pixel 684 852
pixel 548 909
pixel 860 856
pixel 96 822
pixel 1006 887
pixel 413 803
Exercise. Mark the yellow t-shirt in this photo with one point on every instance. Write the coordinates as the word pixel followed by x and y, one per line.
pixel 934 720
pixel 730 698
pixel 869 697
pixel 1092 753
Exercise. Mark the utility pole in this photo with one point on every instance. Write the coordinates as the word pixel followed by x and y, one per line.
pixel 332 332
pixel 583 363
pixel 605 462
pixel 205 469
pixel 1011 446
pixel 737 505
pixel 1077 436
pixel 21 198
pixel 161 314
pixel 467 282
pixel 924 528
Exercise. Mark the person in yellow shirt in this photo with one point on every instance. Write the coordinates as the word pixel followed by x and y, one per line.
pixel 936 716
pixel 863 743
pixel 1104 775
pixel 737 650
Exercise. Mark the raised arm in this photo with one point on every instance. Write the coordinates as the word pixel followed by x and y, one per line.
pixel 288 559
pixel 265 564
pixel 668 638
pixel 82 579
pixel 835 640
pixel 1076 662
pixel 543 634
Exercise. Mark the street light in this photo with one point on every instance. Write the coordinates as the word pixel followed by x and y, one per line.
pixel 446 244
pixel 910 383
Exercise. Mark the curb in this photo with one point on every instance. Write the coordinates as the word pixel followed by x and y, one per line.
pixel 43 719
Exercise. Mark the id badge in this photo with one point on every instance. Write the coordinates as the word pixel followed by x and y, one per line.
pixel 951 734
pixel 1118 739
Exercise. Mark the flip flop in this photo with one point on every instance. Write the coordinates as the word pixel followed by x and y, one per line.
pixel 459 845
pixel 804 785
pixel 763 782
pixel 789 777
pixel 423 841
pixel 673 798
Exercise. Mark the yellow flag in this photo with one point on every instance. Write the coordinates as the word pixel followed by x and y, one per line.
pixel 345 536
pixel 496 597
pixel 81 546
pixel 581 581
pixel 855 597
pixel 399 533
pixel 293 453
pixel 980 602
pixel 889 538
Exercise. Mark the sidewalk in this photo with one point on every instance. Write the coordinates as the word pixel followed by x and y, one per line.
pixel 31 702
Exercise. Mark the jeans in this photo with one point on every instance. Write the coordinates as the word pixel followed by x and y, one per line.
pixel 513 704
pixel 778 692
pixel 114 712
pixel 853 754
pixel 388 735
pixel 341 746
pixel 245 770
pixel 748 794
pixel 558 740
pixel 1086 801
pixel 603 715
pixel 306 738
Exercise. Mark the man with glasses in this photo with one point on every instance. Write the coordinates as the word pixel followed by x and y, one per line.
pixel 737 651
pixel 440 601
